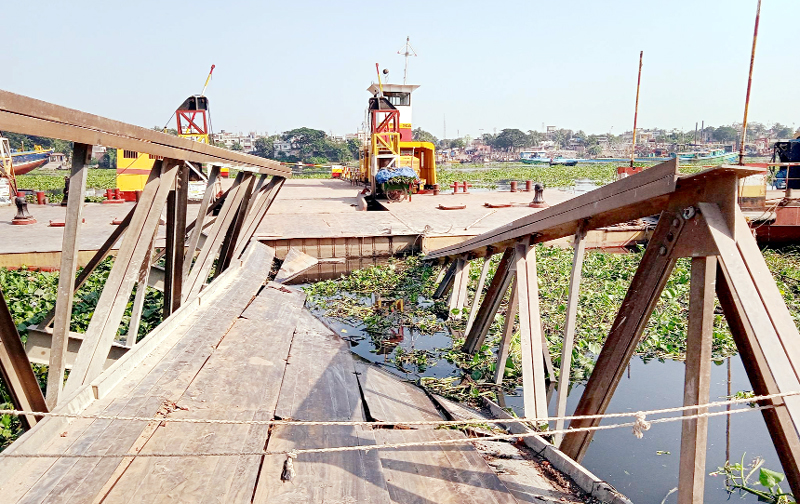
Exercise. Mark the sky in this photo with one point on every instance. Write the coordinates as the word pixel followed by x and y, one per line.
pixel 481 65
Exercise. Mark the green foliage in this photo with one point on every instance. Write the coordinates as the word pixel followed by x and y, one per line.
pixel 725 134
pixel 605 281
pixel 510 138
pixel 737 479
pixel 550 176
pixel 47 180
pixel 264 146
pixel 31 294
pixel 314 146
pixel 109 159
pixel 420 135
pixel 458 143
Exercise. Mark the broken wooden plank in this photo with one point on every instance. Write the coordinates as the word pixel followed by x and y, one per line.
pixel 294 265
pixel 162 379
pixel 241 378
pixel 320 384
pixel 445 474
pixel 390 400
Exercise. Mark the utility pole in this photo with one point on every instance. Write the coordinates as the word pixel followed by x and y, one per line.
pixel 749 84
pixel 636 109
pixel 407 51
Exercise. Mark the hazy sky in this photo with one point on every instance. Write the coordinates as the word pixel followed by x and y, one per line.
pixel 482 65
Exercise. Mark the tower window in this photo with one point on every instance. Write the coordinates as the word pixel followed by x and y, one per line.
pixel 403 99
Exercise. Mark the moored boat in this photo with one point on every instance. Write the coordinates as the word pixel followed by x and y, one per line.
pixel 23 162
pixel 543 157
pixel 534 157
pixel 705 156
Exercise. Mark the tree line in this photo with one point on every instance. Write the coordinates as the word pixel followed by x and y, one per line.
pixel 512 139
pixel 305 145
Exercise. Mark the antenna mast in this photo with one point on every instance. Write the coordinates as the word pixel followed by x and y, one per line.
pixel 407 51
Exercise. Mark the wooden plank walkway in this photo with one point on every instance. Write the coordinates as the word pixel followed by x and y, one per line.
pixel 256 354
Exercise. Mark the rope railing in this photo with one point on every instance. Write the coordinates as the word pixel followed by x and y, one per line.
pixel 639 425
pixel 378 423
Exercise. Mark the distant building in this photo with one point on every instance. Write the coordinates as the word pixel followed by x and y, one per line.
pixel 248 141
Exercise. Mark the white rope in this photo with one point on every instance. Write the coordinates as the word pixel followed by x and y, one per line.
pixel 291 454
pixel 479 420
pixel 640 425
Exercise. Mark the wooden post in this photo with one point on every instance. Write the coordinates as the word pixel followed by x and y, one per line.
pixel 205 259
pixel 232 235
pixel 764 333
pixel 176 241
pixel 508 334
pixel 81 154
pixel 639 303
pixel 473 310
pixel 694 433
pixel 778 420
pixel 194 238
pixel 460 284
pixel 530 329
pixel 112 303
pixel 139 298
pixel 569 329
pixel 256 216
pixel 169 250
pixel 446 283
pixel 15 369
pixel 491 302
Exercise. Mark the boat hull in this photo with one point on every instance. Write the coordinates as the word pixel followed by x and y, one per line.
pixel 722 158
pixel 24 162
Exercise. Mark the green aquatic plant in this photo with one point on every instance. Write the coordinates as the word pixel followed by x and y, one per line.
pixel 768 489
pixel 606 277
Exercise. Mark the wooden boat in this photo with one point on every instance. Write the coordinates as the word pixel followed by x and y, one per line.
pixel 712 156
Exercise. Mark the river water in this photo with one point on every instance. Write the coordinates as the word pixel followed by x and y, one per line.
pixel 645 470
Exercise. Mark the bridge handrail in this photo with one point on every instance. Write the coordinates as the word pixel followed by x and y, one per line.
pixel 22 114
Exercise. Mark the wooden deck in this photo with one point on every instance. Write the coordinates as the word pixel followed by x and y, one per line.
pixel 254 353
